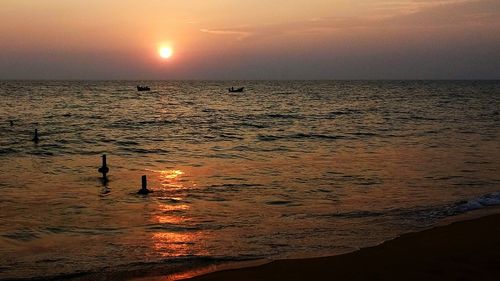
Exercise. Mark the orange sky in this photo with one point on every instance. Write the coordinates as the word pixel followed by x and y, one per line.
pixel 235 39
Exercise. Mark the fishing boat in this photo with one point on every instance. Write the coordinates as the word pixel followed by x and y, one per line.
pixel 238 90
pixel 143 88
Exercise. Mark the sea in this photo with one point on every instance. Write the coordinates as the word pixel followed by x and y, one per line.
pixel 285 169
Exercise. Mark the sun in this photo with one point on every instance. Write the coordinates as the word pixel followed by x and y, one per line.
pixel 165 52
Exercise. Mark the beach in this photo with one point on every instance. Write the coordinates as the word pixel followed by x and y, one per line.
pixel 467 250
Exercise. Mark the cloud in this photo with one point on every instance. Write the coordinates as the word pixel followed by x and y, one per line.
pixel 458 13
pixel 240 33
pixel 418 13
pixel 408 7
pixel 267 30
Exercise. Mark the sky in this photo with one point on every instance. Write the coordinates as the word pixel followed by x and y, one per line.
pixel 250 39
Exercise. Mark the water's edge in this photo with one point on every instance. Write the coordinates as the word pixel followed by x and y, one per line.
pixel 189 267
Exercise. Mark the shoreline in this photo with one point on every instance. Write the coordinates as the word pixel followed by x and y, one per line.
pixel 474 236
pixel 461 250
pixel 238 270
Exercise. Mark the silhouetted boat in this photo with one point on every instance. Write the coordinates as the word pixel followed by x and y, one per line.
pixel 233 90
pixel 143 88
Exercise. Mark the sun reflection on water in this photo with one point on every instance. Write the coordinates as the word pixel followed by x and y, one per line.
pixel 170 178
pixel 172 174
pixel 177 244
pixel 177 237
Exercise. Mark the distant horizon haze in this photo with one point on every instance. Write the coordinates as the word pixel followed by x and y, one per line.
pixel 249 80
pixel 240 40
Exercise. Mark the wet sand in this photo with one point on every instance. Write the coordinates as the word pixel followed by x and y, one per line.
pixel 466 250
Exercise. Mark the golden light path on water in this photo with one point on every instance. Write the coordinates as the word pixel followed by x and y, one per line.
pixel 173 243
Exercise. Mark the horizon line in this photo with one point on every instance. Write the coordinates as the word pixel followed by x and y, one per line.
pixel 276 79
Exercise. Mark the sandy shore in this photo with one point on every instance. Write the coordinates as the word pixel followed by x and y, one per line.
pixel 467 250
pixel 464 250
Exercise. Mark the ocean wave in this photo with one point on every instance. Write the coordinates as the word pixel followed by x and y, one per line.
pixel 284 116
pixel 24 235
pixel 279 202
pixel 353 214
pixel 230 136
pixel 364 134
pixel 425 213
pixel 433 213
pixel 170 266
pixel 298 136
pixel 7 150
pixel 139 150
pixel 456 208
pixel 232 186
pixel 334 114
pixel 252 125
pixel 487 200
